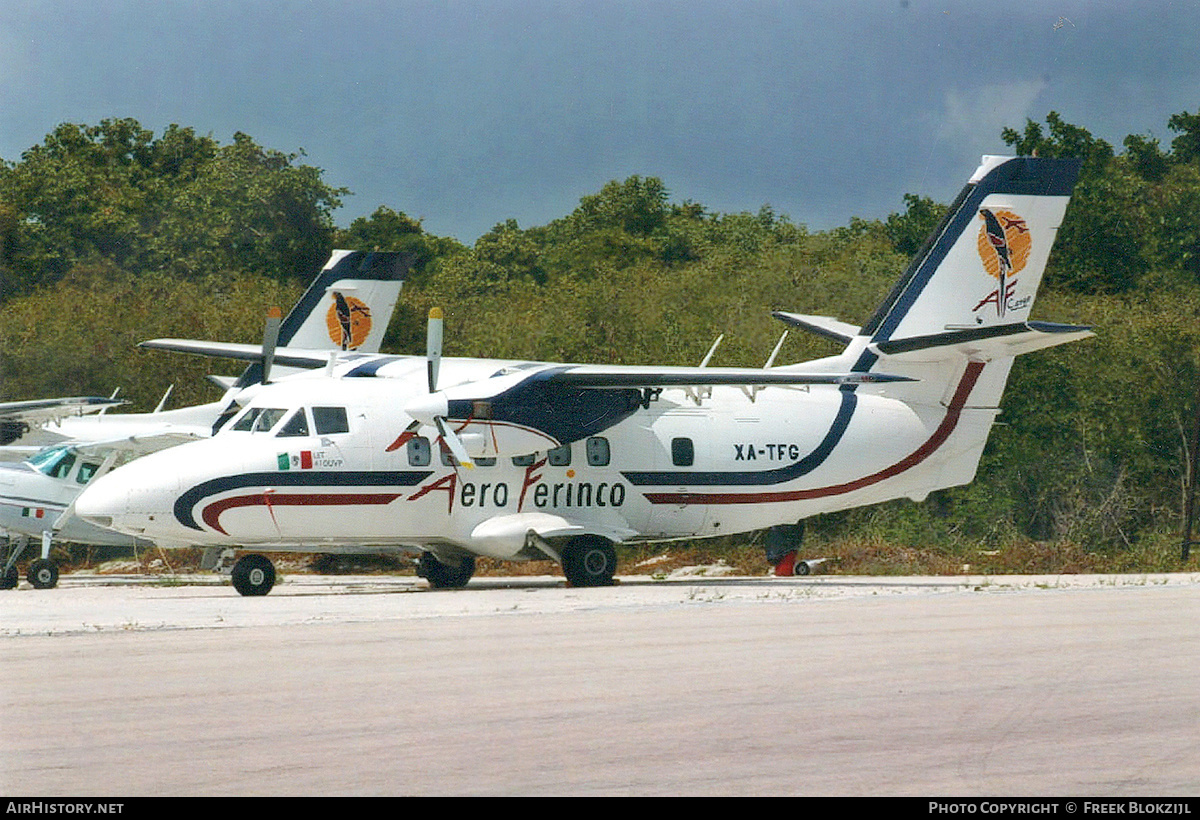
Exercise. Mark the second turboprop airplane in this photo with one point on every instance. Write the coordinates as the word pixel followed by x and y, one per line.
pixel 458 458
pixel 344 311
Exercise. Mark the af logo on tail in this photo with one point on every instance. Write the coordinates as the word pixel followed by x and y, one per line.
pixel 1004 245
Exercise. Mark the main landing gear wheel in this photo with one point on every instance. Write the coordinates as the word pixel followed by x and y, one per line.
pixel 43 574
pixel 444 576
pixel 253 575
pixel 589 561
pixel 10 578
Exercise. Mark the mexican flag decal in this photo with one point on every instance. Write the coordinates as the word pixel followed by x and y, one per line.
pixel 288 461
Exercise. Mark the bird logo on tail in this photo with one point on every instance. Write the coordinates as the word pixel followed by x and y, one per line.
pixel 1004 244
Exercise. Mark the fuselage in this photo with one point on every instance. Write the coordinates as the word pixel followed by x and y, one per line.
pixel 319 463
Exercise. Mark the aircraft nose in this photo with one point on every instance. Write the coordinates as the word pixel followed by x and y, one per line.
pixel 130 498
pixel 102 502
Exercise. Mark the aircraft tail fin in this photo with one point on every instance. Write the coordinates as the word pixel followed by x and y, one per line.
pixel 982 266
pixel 346 307
pixel 959 314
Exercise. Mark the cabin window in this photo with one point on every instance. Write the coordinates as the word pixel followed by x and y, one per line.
pixel 484 462
pixel 524 461
pixel 559 456
pixel 86 470
pixel 297 425
pixel 330 420
pixel 598 454
pixel 418 451
pixel 683 452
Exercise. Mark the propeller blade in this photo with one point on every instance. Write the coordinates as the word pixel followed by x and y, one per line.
pixel 270 339
pixel 452 441
pixel 433 346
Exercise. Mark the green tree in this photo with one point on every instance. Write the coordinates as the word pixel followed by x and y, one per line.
pixel 1101 245
pixel 181 203
pixel 389 230
pixel 909 230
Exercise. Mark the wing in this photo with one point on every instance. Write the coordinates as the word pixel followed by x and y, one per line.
pixel 39 411
pixel 18 417
pixel 286 356
pixel 651 376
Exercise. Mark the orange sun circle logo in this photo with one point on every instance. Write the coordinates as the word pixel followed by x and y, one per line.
pixel 1004 243
pixel 348 320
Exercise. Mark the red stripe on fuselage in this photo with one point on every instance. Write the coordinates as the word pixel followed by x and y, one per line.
pixel 949 422
pixel 212 513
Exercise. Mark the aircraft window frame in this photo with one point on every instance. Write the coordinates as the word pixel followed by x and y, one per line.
pixel 330 420
pixel 295 427
pixel 559 456
pixel 42 458
pixel 419 451
pixel 87 471
pixel 598 451
pixel 268 419
pixel 683 452
pixel 56 462
pixel 245 422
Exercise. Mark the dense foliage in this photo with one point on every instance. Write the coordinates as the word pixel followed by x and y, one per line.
pixel 109 235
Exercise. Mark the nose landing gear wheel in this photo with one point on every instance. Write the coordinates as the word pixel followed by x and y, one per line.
pixel 43 574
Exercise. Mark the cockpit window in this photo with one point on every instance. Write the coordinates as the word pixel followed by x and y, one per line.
pixel 330 420
pixel 267 419
pixel 246 422
pixel 56 462
pixel 297 425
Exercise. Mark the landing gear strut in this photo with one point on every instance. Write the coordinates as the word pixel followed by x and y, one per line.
pixel 783 542
pixel 42 572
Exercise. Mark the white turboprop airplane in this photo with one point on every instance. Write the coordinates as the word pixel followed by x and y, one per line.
pixel 344 311
pixel 566 460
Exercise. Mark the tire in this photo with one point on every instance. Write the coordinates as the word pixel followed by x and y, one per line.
pixel 10 578
pixel 253 575
pixel 43 574
pixel 444 576
pixel 589 561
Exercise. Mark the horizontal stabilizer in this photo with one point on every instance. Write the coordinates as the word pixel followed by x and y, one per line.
pixel 821 325
pixel 989 341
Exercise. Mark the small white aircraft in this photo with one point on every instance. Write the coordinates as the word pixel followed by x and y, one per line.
pixel 344 311
pixel 458 458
